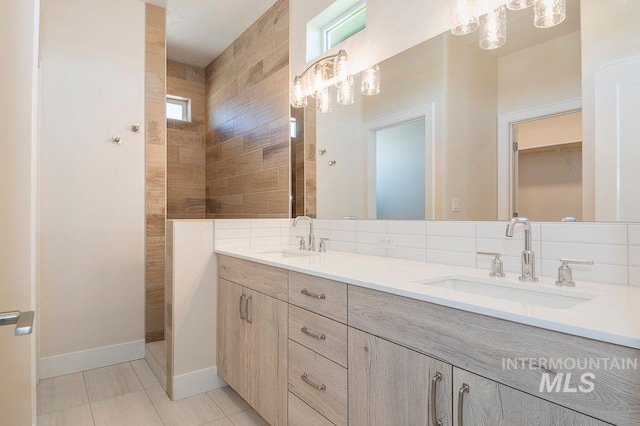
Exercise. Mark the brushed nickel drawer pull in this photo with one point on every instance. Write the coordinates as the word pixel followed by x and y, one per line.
pixel 249 318
pixel 432 395
pixel 242 314
pixel 308 333
pixel 313 295
pixel 310 383
pixel 463 389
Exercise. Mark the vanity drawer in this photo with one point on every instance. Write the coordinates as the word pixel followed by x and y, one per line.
pixel 300 414
pixel 325 297
pixel 325 336
pixel 256 276
pixel 325 388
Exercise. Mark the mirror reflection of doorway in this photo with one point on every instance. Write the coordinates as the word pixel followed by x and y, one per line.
pixel 547 165
pixel 400 171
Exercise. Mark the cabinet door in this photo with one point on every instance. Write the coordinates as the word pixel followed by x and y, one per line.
pixel 391 385
pixel 232 348
pixel 488 403
pixel 267 325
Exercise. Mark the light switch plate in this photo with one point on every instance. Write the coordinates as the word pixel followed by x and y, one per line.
pixel 388 241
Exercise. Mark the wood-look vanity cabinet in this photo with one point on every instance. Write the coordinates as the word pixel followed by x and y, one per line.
pixel 320 352
pixel 252 335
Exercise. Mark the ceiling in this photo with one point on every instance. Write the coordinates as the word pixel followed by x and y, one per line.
pixel 199 30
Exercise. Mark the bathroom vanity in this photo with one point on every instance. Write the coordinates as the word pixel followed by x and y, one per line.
pixel 342 338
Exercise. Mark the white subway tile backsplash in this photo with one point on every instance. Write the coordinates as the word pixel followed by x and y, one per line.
pixel 232 224
pixel 595 233
pixel 347 236
pixel 265 232
pixel 452 258
pixel 234 243
pixel 369 237
pixel 456 244
pixel 506 246
pixel 406 227
pixel 634 255
pixel 265 223
pixel 452 229
pixel 634 235
pixel 408 253
pixel 499 229
pixel 634 276
pixel 379 226
pixel 599 253
pixel 410 241
pixel 601 273
pixel 265 241
pixel 349 247
pixel 343 225
pixel 226 234
pixel 322 224
pixel 371 249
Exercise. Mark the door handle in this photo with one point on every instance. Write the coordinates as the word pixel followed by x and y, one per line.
pixel 22 320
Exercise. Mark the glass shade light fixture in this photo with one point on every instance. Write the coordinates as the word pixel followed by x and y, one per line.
pixel 464 16
pixel 371 81
pixel 330 71
pixel 493 29
pixel 519 4
pixel 549 13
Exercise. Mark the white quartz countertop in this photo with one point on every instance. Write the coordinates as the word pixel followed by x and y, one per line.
pixel 604 312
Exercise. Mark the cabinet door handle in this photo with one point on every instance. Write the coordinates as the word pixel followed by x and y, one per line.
pixel 313 295
pixel 308 333
pixel 242 315
pixel 432 395
pixel 313 385
pixel 249 318
pixel 463 389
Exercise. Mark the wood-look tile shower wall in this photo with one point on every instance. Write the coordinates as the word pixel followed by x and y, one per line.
pixel 247 143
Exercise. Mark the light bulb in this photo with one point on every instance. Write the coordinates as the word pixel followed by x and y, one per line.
pixel 371 81
pixel 298 97
pixel 319 82
pixel 345 92
pixel 341 67
pixel 493 29
pixel 323 103
pixel 519 4
pixel 464 16
pixel 549 13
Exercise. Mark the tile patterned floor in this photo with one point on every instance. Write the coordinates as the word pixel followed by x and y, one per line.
pixel 129 395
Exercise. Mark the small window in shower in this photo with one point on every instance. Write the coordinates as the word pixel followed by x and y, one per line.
pixel 178 108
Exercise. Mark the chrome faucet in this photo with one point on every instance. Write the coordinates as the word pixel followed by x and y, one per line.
pixel 312 238
pixel 528 256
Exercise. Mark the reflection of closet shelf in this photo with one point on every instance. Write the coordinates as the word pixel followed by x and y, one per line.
pixel 577 145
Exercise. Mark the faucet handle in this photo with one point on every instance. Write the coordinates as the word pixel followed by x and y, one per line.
pixel 323 245
pixel 565 273
pixel 496 264
pixel 302 245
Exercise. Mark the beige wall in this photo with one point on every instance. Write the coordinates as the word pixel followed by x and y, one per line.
pixel 610 33
pixel 92 210
pixel 186 145
pixel 551 70
pixel 561 129
pixel 155 170
pixel 247 159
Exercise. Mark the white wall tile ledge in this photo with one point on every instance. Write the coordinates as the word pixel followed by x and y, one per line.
pixel 604 312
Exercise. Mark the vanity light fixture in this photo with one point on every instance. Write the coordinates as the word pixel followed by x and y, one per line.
pixel 493 29
pixel 549 13
pixel 332 70
pixel 520 4
pixel 464 16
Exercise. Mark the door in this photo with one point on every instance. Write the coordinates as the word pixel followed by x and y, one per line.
pixel 267 320
pixel 232 355
pixel 392 385
pixel 484 402
pixel 18 41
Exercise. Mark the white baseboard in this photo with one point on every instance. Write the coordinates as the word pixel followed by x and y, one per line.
pixel 75 362
pixel 189 384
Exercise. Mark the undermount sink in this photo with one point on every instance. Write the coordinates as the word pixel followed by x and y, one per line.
pixel 285 254
pixel 545 297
